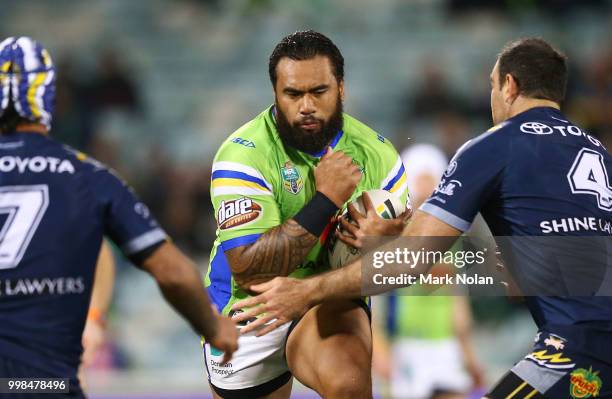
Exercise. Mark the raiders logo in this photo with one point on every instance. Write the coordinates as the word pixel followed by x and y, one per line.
pixel 237 212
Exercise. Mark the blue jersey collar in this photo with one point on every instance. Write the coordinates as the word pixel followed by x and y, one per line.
pixel 332 144
pixel 319 154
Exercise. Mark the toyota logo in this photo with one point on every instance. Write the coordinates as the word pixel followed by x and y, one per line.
pixel 536 128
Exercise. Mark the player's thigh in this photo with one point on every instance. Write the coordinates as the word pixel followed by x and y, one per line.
pixel 283 392
pixel 330 348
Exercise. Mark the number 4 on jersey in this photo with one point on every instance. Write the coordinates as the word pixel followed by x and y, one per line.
pixel 588 175
pixel 22 208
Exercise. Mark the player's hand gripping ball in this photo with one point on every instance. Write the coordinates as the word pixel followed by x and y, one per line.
pixel 387 205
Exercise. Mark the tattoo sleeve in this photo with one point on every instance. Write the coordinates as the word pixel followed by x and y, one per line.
pixel 276 253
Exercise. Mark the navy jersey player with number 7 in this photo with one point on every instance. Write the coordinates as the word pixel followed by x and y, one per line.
pixel 535 174
pixel 55 206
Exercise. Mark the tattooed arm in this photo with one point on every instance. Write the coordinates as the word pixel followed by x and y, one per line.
pixel 276 253
pixel 280 250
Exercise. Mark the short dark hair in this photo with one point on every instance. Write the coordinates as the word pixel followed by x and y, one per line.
pixel 304 45
pixel 539 69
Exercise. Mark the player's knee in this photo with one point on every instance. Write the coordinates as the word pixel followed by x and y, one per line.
pixel 347 375
pixel 347 384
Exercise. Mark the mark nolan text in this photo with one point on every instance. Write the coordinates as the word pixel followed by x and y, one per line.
pixel 405 279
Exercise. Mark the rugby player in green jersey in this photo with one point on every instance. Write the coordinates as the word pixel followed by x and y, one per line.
pixel 277 183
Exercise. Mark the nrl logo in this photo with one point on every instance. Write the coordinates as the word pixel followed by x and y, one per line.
pixel 237 212
pixel 292 181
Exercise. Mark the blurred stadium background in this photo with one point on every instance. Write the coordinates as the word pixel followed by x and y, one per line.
pixel 152 87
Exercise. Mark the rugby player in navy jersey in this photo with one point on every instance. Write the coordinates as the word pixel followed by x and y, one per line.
pixel 55 206
pixel 534 175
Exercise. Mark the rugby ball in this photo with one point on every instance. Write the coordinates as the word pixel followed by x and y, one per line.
pixel 388 206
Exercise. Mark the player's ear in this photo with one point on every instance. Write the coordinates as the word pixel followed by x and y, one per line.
pixel 341 89
pixel 510 88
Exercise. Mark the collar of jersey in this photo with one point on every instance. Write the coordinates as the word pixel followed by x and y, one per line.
pixel 543 108
pixel 318 154
pixel 29 133
pixel 332 144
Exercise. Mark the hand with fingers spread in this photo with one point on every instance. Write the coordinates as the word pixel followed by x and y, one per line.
pixel 360 227
pixel 336 176
pixel 280 300
pixel 225 337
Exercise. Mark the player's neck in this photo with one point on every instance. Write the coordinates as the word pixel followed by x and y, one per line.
pixel 522 104
pixel 32 128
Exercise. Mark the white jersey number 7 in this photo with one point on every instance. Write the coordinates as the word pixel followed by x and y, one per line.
pixel 22 208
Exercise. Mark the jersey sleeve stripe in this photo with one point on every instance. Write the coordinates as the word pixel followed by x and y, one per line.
pixel 445 216
pixel 239 241
pixel 242 189
pixel 238 183
pixel 229 177
pixel 400 186
pixel 388 184
pixel 237 167
pixel 143 241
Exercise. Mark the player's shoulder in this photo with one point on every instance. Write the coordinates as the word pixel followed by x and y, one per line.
pixel 94 172
pixel 83 162
pixel 367 139
pixel 251 143
pixel 58 157
pixel 492 138
pixel 384 162
pixel 245 159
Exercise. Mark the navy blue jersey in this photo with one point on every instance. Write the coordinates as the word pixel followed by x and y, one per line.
pixel 55 206
pixel 537 175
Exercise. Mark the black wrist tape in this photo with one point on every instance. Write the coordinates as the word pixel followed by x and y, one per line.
pixel 315 215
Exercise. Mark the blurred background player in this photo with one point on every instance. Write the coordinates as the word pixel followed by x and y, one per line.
pixel 423 343
pixel 276 184
pixel 55 206
pixel 94 333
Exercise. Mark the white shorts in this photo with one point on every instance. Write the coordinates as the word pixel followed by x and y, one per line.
pixel 258 364
pixel 421 367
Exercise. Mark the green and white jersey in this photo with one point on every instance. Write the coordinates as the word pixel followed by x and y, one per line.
pixel 258 183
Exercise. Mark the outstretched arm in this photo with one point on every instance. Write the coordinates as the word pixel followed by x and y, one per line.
pixel 285 299
pixel 181 284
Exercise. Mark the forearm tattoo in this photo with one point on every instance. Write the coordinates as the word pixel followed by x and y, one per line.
pixel 278 252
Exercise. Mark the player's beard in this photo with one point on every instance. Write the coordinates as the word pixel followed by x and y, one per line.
pixel 312 142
